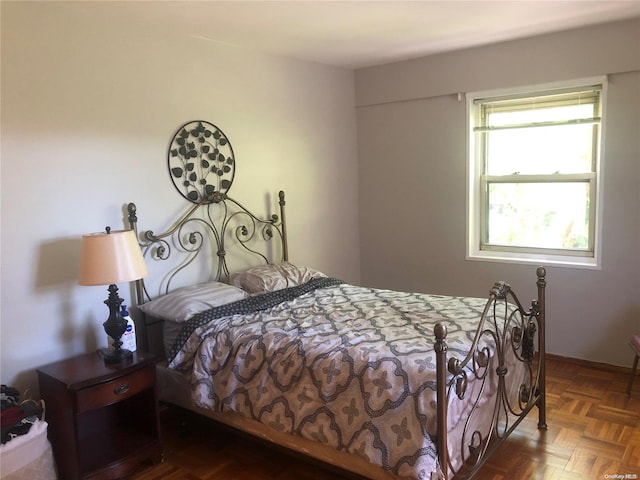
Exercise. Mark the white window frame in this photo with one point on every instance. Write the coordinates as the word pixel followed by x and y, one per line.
pixel 475 193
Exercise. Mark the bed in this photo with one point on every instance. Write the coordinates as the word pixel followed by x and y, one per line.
pixel 379 383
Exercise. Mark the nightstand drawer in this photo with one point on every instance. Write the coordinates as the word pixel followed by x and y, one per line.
pixel 110 392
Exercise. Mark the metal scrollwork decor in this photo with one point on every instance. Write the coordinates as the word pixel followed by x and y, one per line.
pixel 201 162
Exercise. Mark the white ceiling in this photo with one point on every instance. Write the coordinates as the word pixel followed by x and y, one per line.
pixel 354 34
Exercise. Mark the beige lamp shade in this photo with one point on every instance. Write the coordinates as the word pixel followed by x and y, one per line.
pixel 109 258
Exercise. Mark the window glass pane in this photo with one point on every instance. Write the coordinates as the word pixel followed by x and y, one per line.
pixel 540 150
pixel 539 215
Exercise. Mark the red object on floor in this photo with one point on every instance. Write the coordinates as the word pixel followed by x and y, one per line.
pixel 11 416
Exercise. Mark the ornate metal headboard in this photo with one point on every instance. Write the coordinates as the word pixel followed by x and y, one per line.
pixel 205 236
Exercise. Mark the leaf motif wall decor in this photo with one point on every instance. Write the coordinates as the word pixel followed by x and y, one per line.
pixel 201 161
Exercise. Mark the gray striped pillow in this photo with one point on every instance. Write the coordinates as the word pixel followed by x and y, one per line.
pixel 183 303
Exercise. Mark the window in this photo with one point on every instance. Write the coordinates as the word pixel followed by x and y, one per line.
pixel 533 174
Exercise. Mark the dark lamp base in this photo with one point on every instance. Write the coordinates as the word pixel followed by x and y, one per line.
pixel 115 356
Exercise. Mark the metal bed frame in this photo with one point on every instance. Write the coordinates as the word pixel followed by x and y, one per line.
pixel 219 221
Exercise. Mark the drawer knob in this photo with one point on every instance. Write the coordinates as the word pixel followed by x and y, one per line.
pixel 122 389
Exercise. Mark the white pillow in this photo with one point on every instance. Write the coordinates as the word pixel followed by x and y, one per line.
pixel 182 304
pixel 272 277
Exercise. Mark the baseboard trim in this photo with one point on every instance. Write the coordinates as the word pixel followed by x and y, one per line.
pixel 589 364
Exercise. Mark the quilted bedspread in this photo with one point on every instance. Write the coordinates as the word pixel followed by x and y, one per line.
pixel 348 366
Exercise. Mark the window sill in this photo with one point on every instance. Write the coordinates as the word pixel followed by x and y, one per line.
pixel 535 259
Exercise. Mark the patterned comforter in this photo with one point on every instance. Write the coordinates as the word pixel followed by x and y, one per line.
pixel 348 366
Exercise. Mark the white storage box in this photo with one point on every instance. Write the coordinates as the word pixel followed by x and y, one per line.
pixel 29 456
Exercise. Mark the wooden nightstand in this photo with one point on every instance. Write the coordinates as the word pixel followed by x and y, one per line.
pixel 103 419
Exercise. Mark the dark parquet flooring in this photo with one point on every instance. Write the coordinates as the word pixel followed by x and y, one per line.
pixel 593 434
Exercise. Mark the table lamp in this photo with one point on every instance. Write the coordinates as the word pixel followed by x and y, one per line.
pixel 108 258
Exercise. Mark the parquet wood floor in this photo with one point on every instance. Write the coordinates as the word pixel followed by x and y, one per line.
pixel 593 434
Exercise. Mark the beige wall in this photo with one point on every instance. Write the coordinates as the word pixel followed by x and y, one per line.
pixel 89 105
pixel 412 174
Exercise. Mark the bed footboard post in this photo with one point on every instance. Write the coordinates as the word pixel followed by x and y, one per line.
pixel 542 401
pixel 440 347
